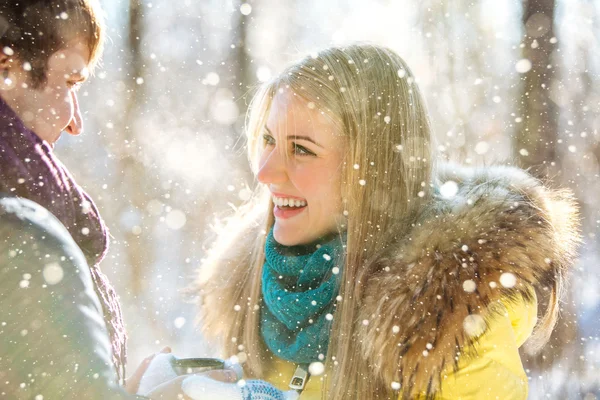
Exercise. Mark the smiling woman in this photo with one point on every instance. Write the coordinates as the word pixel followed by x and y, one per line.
pixel 353 264
pixel 300 164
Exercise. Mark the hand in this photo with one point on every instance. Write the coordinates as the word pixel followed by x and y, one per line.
pixel 133 382
pixel 172 390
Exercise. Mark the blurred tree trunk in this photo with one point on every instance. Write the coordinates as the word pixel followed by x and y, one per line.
pixel 130 159
pixel 242 73
pixel 536 147
pixel 537 137
pixel 239 62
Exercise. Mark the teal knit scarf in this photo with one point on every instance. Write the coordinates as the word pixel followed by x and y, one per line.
pixel 299 288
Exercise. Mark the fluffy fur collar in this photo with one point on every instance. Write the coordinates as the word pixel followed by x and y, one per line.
pixel 500 221
pixel 501 224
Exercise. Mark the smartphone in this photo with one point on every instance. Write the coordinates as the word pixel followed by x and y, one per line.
pixel 186 366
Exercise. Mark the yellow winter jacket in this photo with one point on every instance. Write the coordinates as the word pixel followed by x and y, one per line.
pixel 493 372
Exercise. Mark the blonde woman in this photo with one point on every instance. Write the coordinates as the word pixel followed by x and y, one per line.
pixel 362 262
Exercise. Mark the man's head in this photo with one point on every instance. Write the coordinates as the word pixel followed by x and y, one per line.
pixel 33 30
pixel 47 48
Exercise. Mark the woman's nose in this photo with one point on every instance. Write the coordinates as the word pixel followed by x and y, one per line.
pixel 272 168
pixel 75 126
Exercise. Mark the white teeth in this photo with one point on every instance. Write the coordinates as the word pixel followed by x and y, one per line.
pixel 282 201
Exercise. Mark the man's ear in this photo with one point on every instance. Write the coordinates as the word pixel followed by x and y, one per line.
pixel 5 61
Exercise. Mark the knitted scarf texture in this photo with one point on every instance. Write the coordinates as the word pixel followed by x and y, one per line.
pixel 299 287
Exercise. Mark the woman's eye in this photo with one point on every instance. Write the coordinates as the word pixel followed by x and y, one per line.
pixel 268 140
pixel 302 151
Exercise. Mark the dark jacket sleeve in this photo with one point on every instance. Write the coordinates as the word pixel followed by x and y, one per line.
pixel 53 340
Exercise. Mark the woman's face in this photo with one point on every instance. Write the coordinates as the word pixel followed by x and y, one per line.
pixel 301 164
pixel 50 110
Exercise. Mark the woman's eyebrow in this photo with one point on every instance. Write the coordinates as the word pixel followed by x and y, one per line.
pixel 296 137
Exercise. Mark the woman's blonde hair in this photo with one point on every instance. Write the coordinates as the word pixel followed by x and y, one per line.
pixel 371 94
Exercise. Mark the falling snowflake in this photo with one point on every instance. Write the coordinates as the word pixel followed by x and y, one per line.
pixel 53 273
pixel 212 79
pixel 522 66
pixel 469 286
pixel 179 322
pixel 245 9
pixel 508 280
pixel 175 220
pixel 263 73
pixel 474 325
pixel 316 368
pixel 482 148
pixel 449 189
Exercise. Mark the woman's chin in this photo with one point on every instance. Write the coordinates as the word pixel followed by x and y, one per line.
pixel 289 236
pixel 283 237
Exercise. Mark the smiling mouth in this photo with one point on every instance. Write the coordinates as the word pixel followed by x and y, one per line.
pixel 288 203
pixel 286 207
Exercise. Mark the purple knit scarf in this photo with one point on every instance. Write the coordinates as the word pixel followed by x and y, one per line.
pixel 29 169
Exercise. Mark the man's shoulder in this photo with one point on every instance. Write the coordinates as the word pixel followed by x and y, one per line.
pixel 15 211
pixel 23 220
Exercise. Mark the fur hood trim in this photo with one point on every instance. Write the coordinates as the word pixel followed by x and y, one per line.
pixel 501 233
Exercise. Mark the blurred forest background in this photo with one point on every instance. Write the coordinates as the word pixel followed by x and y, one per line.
pixel 505 81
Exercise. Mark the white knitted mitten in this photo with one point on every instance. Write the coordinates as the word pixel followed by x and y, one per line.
pixel 158 372
pixel 202 388
pixel 161 370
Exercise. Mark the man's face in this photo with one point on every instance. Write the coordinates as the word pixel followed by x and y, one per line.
pixel 54 108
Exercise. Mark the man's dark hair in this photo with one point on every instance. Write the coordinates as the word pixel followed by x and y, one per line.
pixel 36 29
